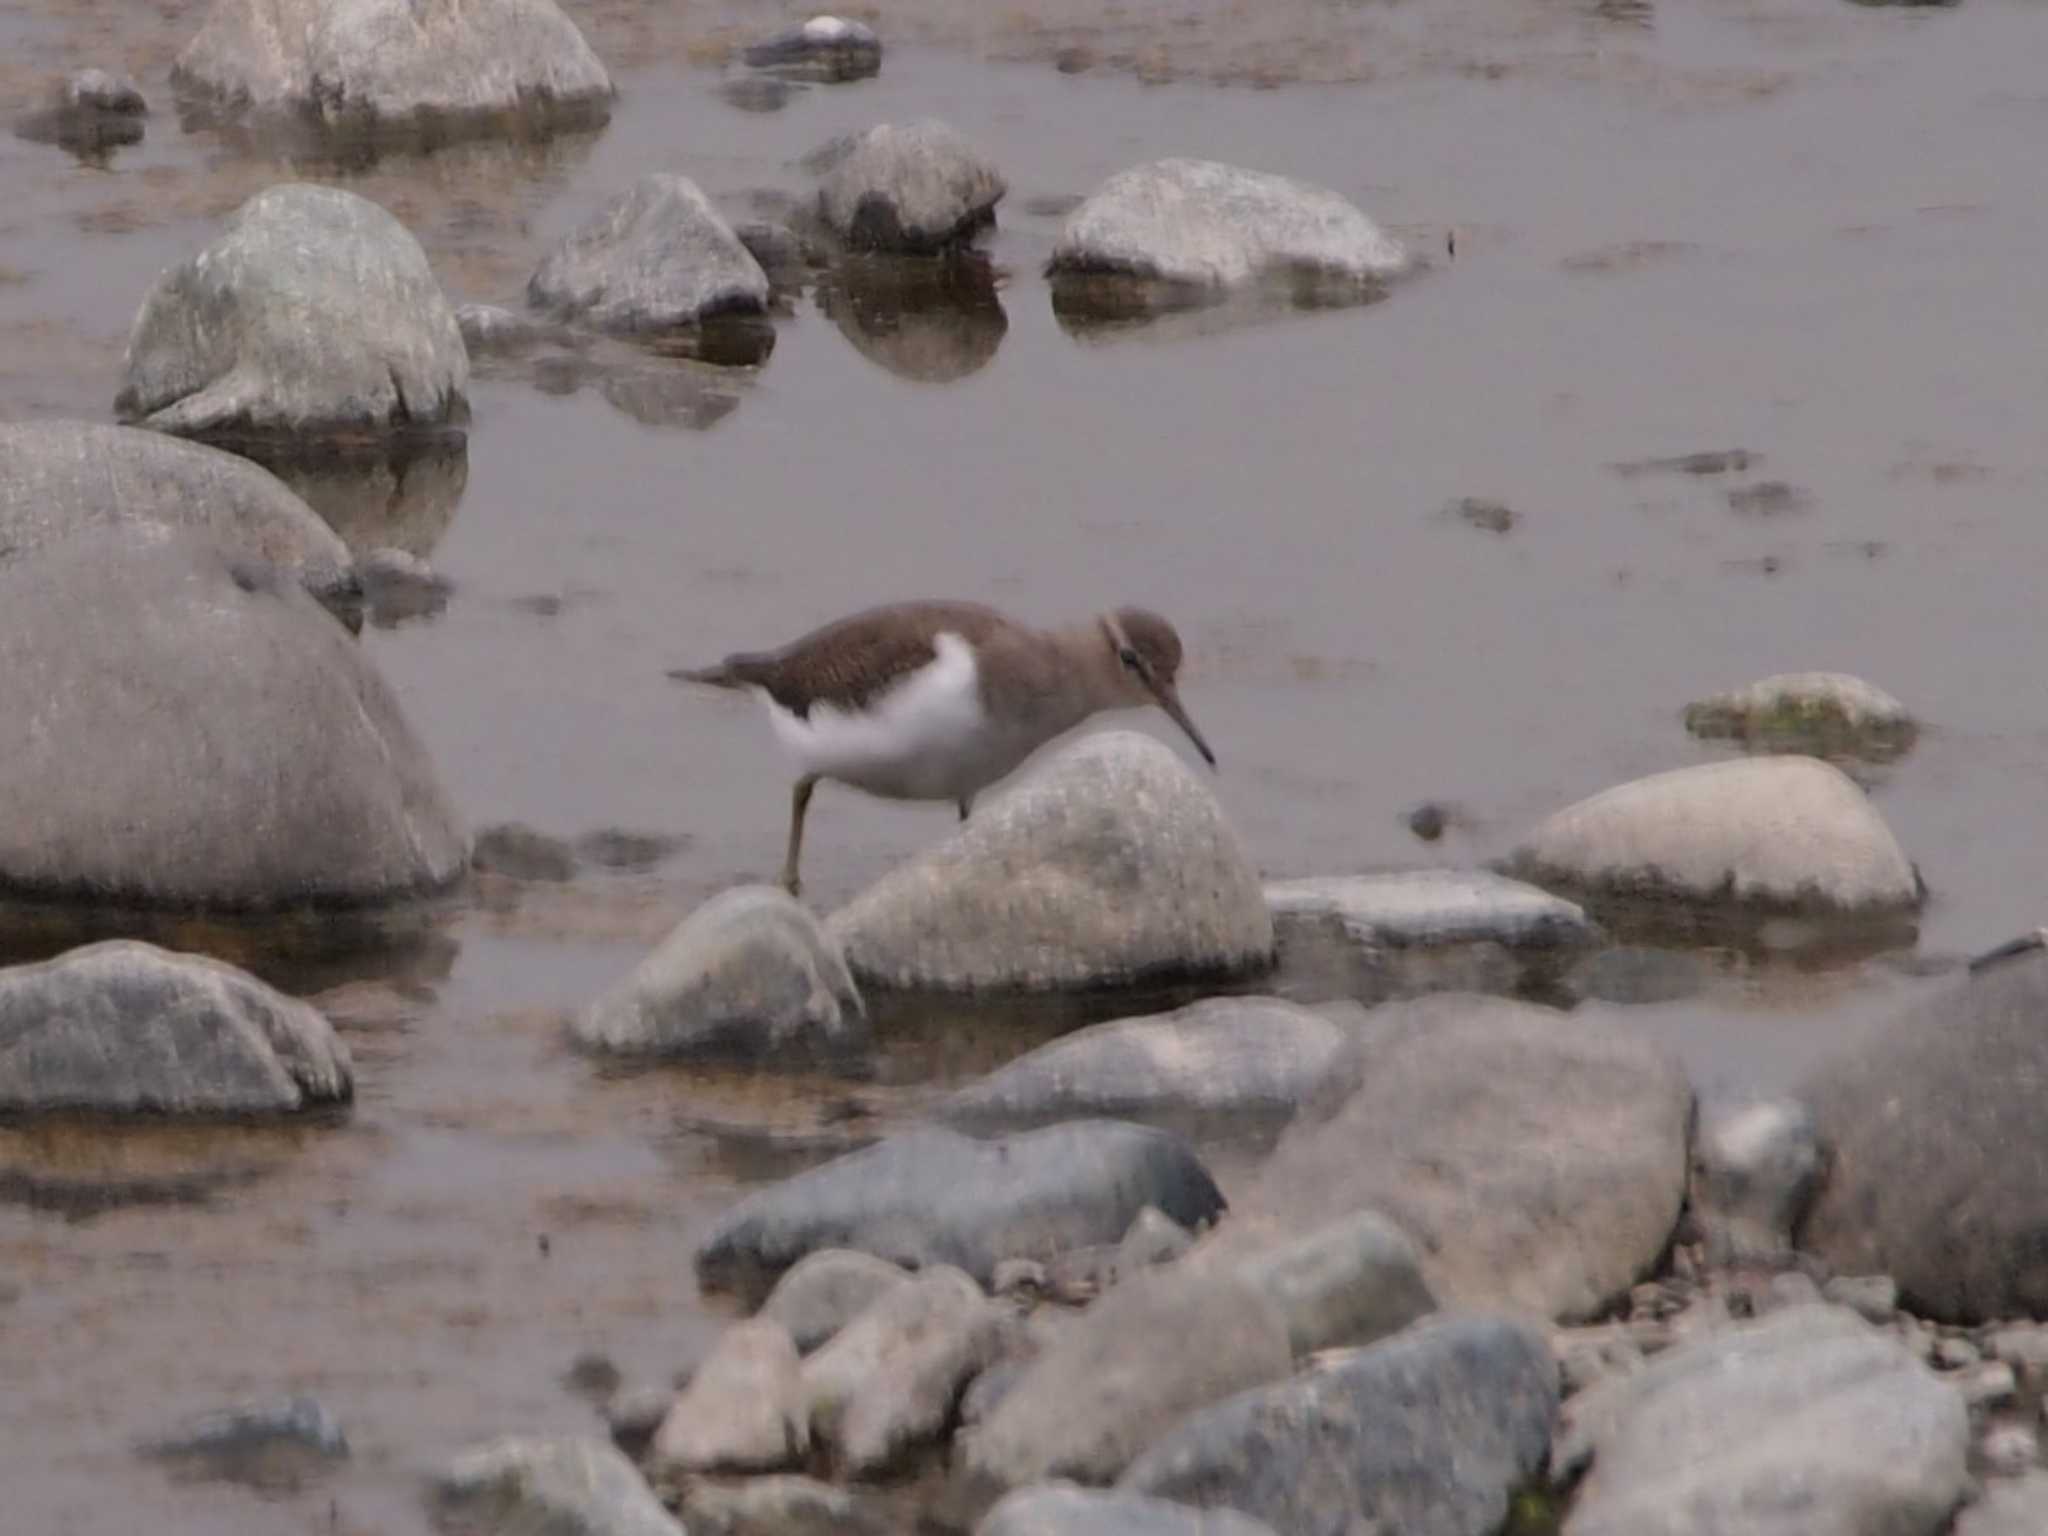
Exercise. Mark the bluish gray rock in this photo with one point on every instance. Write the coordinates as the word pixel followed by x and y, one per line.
pixel 254 1442
pixel 129 1028
pixel 933 1196
pixel 1429 1433
pixel 750 975
pixel 314 313
pixel 743 1411
pixel 561 1487
pixel 782 1506
pixel 1808 1423
pixel 912 189
pixel 1110 864
pixel 1062 1509
pixel 184 730
pixel 658 255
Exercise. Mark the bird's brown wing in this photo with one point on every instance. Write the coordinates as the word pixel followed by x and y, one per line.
pixel 853 660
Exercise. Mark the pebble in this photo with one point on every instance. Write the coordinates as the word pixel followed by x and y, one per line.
pixel 1953 1354
pixel 2009 1449
pixel 1874 1297
pixel 1990 1386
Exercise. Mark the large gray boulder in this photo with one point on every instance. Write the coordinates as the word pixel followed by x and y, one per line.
pixel 1781 834
pixel 1155 1348
pixel 127 1028
pixel 1224 1060
pixel 656 256
pixel 932 1196
pixel 914 188
pixel 313 314
pixel 1938 1173
pixel 1346 1283
pixel 1061 1509
pixel 750 975
pixel 1201 228
pixel 1537 1159
pixel 183 730
pixel 1111 864
pixel 58 477
pixel 562 1486
pixel 1429 1433
pixel 393 66
pixel 1809 1423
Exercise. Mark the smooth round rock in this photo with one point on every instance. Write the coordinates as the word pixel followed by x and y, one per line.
pixel 656 256
pixel 1782 834
pixel 1111 864
pixel 912 189
pixel 183 730
pixel 313 314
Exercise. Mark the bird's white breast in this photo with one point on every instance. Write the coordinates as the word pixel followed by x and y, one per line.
pixel 925 738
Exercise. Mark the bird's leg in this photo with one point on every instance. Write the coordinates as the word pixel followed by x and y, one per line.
pixel 966 806
pixel 799 802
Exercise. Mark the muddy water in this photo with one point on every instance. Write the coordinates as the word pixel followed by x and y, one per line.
pixel 1813 233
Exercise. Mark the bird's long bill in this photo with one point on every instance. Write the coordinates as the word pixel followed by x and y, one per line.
pixel 1169 701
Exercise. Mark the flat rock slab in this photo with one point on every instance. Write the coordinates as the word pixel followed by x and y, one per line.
pixel 1201 226
pixel 1938 1173
pixel 562 1486
pixel 1780 834
pixel 1429 1433
pixel 1062 1509
pixel 1111 864
pixel 1221 1060
pixel 913 189
pixel 828 48
pixel 657 256
pixel 1428 907
pixel 127 1028
pixel 314 314
pixel 393 65
pixel 60 477
pixel 183 730
pixel 1537 1159
pixel 1809 1423
pixel 933 1196
pixel 750 976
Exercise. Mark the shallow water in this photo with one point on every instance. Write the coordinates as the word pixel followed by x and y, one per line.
pixel 1813 233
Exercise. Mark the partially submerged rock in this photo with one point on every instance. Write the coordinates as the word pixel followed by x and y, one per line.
pixel 1190 231
pixel 913 189
pixel 88 112
pixel 1434 1430
pixel 750 975
pixel 657 256
pixel 1754 1169
pixel 936 1197
pixel 182 730
pixel 1809 1423
pixel 743 1410
pixel 267 1444
pixel 1224 1061
pixel 127 1028
pixel 313 314
pixel 562 1486
pixel 824 1292
pixel 58 477
pixel 1827 713
pixel 1062 1509
pixel 428 68
pixel 1111 864
pixel 824 48
pixel 1768 834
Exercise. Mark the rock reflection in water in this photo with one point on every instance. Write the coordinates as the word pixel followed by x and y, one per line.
pixel 396 495
pixel 932 319
pixel 1110 306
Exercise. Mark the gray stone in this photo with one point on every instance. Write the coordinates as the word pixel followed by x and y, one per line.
pixel 1109 1382
pixel 58 477
pixel 656 256
pixel 1061 1509
pixel 2024 1348
pixel 2011 1450
pixel 398 586
pixel 1111 864
pixel 1199 227
pixel 128 1028
pixel 1215 1061
pixel 551 1487
pixel 1772 833
pixel 314 313
pixel 1537 1159
pixel 932 1196
pixel 888 1380
pixel 1754 1169
pixel 267 1443
pixel 2015 1507
pixel 1873 1297
pixel 826 1291
pixel 1347 1283
pixel 96 90
pixel 432 66
pixel 1154 1238
pixel 1429 1433
pixel 750 975
pixel 1429 907
pixel 1991 1385
pixel 181 729
pixel 88 113
pixel 743 1410
pixel 1808 1423
pixel 823 48
pixel 779 1506
pixel 1824 712
pixel 913 188
pixel 1938 1173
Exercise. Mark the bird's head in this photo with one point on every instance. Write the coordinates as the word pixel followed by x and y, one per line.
pixel 1148 655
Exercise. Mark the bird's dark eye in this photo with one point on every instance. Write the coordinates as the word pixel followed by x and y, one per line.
pixel 1129 658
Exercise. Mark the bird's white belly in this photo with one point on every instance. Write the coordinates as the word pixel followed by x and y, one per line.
pixel 927 738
